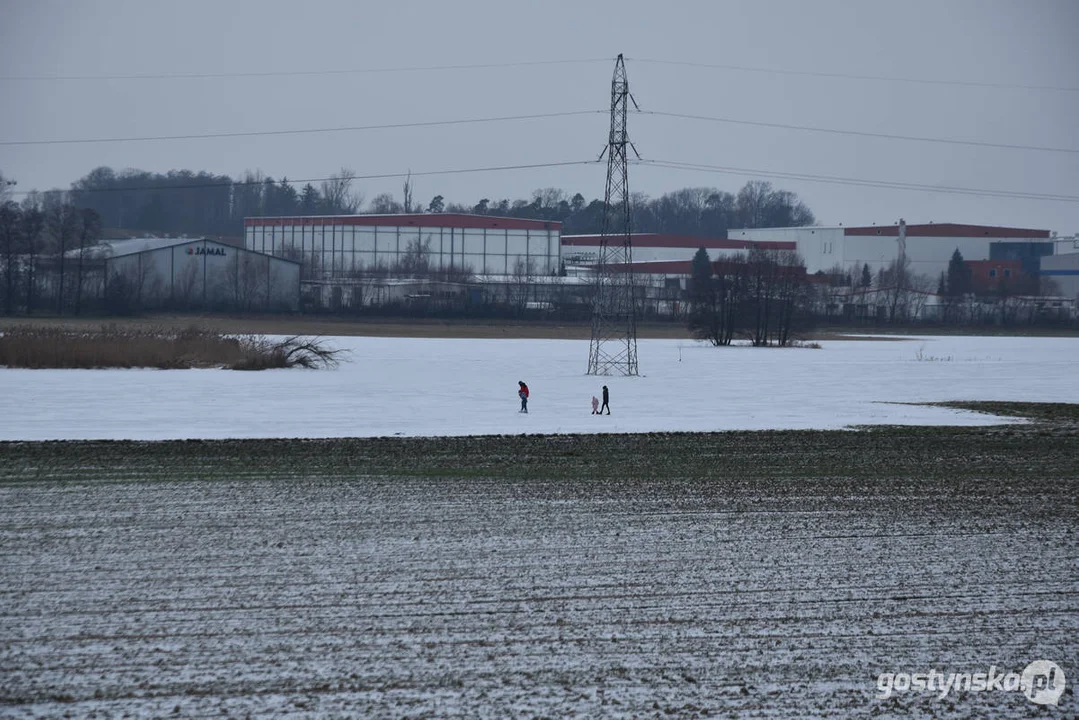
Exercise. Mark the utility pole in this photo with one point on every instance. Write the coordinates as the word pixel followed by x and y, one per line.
pixel 902 240
pixel 613 349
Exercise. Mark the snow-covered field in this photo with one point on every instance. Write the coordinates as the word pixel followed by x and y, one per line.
pixel 398 386
pixel 475 598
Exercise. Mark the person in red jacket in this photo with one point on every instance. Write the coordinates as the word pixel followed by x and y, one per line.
pixel 522 392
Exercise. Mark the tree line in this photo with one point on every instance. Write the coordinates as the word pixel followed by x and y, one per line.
pixel 204 203
pixel 43 258
pixel 761 295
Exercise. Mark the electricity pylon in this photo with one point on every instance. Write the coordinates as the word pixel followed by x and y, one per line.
pixel 613 349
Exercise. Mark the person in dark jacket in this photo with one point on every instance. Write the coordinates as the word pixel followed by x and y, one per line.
pixel 522 392
pixel 606 400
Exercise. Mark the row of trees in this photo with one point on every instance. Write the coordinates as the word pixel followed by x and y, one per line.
pixel 759 296
pixel 897 294
pixel 203 203
pixel 700 211
pixel 43 243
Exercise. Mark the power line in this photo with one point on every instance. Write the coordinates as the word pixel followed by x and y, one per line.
pixel 852 76
pixel 377 176
pixel 859 133
pixel 527 63
pixel 302 131
pixel 535 116
pixel 302 73
pixel 724 170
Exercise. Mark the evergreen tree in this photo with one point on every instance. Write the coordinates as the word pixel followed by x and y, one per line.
pixel 703 314
pixel 309 199
pixel 959 280
pixel 867 277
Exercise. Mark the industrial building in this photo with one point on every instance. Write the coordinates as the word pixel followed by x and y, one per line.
pixel 929 247
pixel 660 247
pixel 349 245
pixel 660 258
pixel 186 273
pixel 1063 270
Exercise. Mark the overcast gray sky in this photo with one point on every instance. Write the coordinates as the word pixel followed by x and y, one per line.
pixel 992 42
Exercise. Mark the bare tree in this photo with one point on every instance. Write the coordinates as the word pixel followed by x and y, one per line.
pixel 61 220
pixel 751 203
pixel 129 286
pixel 33 225
pixel 337 193
pixel 921 289
pixel 6 189
pixel 184 284
pixel 761 270
pixel 384 204
pixel 408 193
pixel 147 281
pixel 1049 286
pixel 89 233
pixel 896 280
pixel 416 260
pixel 522 278
pixel 790 293
pixel 247 279
pixel 10 232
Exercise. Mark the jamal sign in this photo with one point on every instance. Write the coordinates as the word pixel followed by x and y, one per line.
pixel 203 250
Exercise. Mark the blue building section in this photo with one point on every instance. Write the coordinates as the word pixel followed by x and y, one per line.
pixel 1030 254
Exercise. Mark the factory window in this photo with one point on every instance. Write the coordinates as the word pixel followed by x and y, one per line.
pixel 1007 273
pixel 993 272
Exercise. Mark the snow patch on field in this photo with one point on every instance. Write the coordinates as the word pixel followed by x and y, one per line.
pixel 428 387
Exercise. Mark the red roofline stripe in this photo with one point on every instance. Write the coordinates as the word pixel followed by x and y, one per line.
pixel 949 230
pixel 427 220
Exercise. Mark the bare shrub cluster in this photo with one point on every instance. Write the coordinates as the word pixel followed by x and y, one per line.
pixel 295 351
pixel 110 346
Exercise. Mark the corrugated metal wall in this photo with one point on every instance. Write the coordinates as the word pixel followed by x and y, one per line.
pixel 207 275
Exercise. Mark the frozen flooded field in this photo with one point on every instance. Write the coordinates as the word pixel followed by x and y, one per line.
pixel 433 387
pixel 770 575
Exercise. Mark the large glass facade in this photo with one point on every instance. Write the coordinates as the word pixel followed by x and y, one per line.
pixel 332 249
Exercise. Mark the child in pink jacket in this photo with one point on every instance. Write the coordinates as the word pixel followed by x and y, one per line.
pixel 595 405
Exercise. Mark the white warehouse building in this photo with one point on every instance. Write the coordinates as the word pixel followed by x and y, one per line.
pixel 342 245
pixel 661 248
pixel 1064 270
pixel 928 247
pixel 194 273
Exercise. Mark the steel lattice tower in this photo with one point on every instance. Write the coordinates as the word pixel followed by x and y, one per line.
pixel 613 349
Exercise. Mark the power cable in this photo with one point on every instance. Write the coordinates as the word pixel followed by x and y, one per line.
pixel 853 76
pixel 507 118
pixel 377 176
pixel 724 170
pixel 302 131
pixel 859 133
pixel 528 63
pixel 302 73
